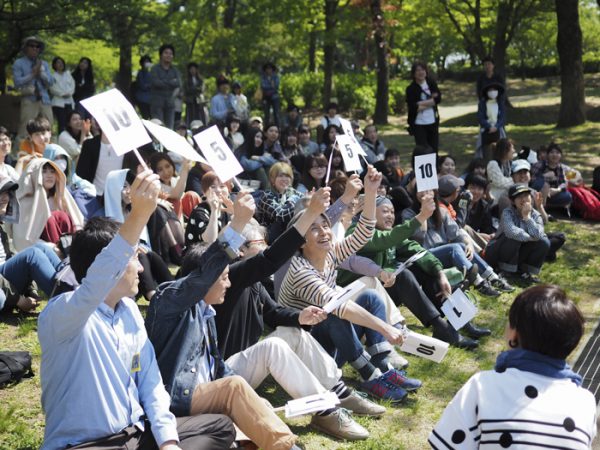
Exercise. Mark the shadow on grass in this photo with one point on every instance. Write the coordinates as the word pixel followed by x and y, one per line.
pixel 523 116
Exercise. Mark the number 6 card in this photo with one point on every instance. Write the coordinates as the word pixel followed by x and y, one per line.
pixel 218 154
pixel 118 120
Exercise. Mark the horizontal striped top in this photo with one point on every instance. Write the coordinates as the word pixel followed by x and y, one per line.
pixel 304 285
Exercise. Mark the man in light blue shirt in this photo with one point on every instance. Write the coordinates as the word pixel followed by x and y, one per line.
pixel 220 104
pixel 32 78
pixel 101 386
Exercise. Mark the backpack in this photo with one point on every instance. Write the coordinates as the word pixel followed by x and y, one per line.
pixel 14 366
pixel 586 202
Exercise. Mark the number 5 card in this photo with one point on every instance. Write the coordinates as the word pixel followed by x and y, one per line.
pixel 349 153
pixel 218 154
pixel 425 172
pixel 118 120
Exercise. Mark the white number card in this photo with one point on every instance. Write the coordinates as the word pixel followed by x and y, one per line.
pixel 118 120
pixel 459 309
pixel 217 152
pixel 426 172
pixel 173 142
pixel 424 346
pixel 349 154
pixel 348 131
pixel 345 295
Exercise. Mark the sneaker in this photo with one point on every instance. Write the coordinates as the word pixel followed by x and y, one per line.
pixel 340 424
pixel 397 361
pixel 502 285
pixel 360 405
pixel 486 289
pixel 384 390
pixel 529 278
pixel 399 378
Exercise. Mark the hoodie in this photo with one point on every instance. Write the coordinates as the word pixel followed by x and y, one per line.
pixel 74 181
pixel 35 208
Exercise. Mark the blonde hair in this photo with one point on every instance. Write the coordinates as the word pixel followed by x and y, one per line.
pixel 280 167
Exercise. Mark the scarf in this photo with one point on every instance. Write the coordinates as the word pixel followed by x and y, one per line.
pixel 491 110
pixel 534 362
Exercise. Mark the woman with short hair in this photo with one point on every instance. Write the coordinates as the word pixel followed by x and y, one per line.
pixel 532 398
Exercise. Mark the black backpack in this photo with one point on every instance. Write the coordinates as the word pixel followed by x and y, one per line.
pixel 14 366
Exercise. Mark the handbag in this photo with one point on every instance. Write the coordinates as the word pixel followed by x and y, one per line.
pixel 258 95
pixel 490 138
pixel 14 366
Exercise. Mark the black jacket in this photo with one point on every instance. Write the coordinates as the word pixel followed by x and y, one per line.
pixel 90 155
pixel 247 307
pixel 413 96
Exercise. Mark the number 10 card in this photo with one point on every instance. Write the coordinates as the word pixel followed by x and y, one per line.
pixel 118 120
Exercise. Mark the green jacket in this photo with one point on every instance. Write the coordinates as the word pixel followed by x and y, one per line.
pixel 388 247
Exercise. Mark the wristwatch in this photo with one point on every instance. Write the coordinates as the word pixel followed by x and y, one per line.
pixel 232 253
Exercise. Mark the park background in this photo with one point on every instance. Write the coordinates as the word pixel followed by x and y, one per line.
pixel 358 53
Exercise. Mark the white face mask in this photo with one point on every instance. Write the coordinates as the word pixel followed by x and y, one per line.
pixel 148 65
pixel 62 164
pixel 493 94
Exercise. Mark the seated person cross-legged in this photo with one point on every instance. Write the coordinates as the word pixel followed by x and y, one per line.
pixel 101 386
pixel 532 398
pixel 311 279
pixel 181 326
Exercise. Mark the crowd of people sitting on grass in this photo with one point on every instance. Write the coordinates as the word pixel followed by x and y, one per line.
pixel 236 280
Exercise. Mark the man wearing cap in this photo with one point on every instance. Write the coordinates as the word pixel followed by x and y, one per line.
pixel 256 122
pixel 220 104
pixel 32 78
pixel 520 245
pixel 489 283
pixel 165 80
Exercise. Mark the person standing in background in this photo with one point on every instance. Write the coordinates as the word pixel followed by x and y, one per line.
pixel 164 81
pixel 32 79
pixel 269 83
pixel 142 88
pixel 62 92
pixel 85 85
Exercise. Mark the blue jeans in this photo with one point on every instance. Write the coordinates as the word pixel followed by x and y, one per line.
pixel 453 255
pixel 560 200
pixel 37 263
pixel 341 339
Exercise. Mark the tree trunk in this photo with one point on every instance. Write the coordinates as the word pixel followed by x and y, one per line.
pixel 3 64
pixel 500 41
pixel 312 50
pixel 229 15
pixel 124 75
pixel 569 45
pixel 329 43
pixel 380 117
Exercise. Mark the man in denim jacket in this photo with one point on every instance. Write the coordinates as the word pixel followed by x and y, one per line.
pixel 32 78
pixel 180 324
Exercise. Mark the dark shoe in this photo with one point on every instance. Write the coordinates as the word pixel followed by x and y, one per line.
pixel 551 218
pixel 465 342
pixel 444 332
pixel 502 285
pixel 476 332
pixel 486 289
pixel 529 278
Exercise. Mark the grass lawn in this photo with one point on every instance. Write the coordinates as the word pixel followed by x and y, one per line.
pixel 407 426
